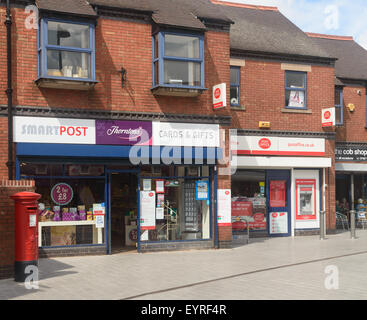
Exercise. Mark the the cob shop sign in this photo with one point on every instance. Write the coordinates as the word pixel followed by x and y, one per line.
pixel 62 194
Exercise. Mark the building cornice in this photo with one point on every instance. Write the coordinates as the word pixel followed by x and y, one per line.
pixel 293 134
pixel 238 53
pixel 115 115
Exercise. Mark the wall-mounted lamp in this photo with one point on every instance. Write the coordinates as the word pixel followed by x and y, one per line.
pixel 359 92
pixel 123 76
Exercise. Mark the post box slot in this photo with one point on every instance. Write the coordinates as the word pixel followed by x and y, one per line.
pixel 32 208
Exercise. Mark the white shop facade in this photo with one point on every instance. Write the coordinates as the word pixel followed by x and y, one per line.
pixel 278 183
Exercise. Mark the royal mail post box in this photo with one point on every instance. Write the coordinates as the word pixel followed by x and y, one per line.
pixel 26 233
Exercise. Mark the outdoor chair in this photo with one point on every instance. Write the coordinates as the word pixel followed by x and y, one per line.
pixel 342 221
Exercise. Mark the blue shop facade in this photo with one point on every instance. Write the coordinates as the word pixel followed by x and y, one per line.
pixel 113 185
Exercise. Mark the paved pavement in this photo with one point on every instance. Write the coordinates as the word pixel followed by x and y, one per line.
pixel 298 268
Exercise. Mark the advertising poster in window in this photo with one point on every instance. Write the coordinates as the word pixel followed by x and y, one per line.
pixel 306 199
pixel 297 99
pixel 159 186
pixel 147 210
pixel 278 222
pixel 202 190
pixel 224 207
pixel 277 194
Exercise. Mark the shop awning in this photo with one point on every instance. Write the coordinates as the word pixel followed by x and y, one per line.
pixel 155 155
pixel 351 167
pixel 280 162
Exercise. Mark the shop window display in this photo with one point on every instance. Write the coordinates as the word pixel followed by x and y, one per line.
pixel 176 204
pixel 72 204
pixel 248 201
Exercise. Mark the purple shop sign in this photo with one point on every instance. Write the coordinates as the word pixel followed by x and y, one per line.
pixel 62 194
pixel 126 133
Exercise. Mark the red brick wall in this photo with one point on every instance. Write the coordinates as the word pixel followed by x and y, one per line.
pixel 3 147
pixel 131 49
pixel 354 125
pixel 263 96
pixel 7 219
pixel 3 70
pixel 330 190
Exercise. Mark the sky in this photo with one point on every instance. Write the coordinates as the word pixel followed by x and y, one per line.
pixel 335 17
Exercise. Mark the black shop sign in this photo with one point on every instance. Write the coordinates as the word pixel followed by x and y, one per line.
pixel 351 153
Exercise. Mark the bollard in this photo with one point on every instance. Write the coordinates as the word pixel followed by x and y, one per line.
pixel 322 225
pixel 353 224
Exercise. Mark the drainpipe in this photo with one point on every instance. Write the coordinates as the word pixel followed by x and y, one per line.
pixel 9 92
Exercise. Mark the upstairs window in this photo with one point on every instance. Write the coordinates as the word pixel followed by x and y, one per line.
pixel 338 106
pixel 296 90
pixel 66 50
pixel 178 60
pixel 235 86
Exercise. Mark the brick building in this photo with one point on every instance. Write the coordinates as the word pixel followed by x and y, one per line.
pixel 351 115
pixel 113 113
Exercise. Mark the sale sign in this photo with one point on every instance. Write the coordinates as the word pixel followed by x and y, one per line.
pixel 62 194
pixel 328 117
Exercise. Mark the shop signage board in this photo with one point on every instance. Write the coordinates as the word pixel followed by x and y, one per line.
pixel 277 146
pixel 147 210
pixel 185 134
pixel 54 130
pixel 110 132
pixel 129 133
pixel 328 117
pixel 278 222
pixel 224 207
pixel 351 153
pixel 219 96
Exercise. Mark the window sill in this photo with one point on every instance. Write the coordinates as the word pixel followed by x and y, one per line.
pixel 238 108
pixel 302 111
pixel 68 84
pixel 177 91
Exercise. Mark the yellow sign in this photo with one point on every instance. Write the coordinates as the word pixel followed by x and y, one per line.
pixel 264 124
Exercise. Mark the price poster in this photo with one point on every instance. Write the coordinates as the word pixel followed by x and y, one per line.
pixel 277 194
pixel 159 186
pixel 99 211
pixel 224 207
pixel 147 210
pixel 62 194
pixel 278 222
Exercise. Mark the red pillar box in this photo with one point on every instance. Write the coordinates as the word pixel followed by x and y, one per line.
pixel 26 233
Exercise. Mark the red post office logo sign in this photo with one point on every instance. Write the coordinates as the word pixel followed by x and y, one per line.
pixel 328 117
pixel 264 143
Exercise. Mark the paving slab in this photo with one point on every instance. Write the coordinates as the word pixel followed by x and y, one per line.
pixel 276 268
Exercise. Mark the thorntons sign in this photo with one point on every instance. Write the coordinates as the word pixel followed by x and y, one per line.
pixel 123 132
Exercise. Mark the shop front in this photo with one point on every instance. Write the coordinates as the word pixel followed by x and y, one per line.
pixel 351 182
pixel 110 185
pixel 277 187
